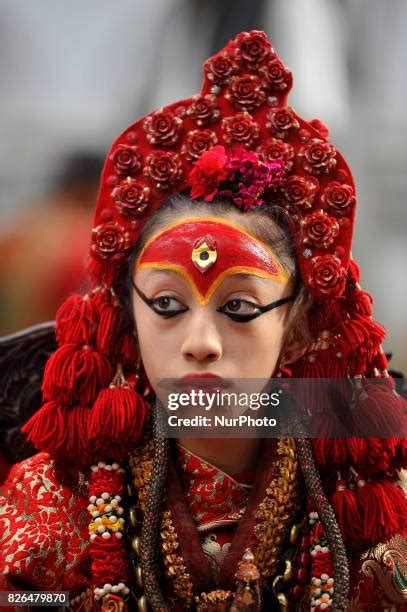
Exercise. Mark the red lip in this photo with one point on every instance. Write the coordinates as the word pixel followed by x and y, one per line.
pixel 202 375
pixel 205 380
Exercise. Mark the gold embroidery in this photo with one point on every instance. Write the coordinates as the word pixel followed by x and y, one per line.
pixel 141 463
pixel 387 563
pixel 276 511
pixel 174 563
pixel 36 516
pixel 218 600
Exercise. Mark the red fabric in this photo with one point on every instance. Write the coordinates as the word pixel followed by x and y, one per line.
pixel 217 501
pixel 241 103
pixel 44 541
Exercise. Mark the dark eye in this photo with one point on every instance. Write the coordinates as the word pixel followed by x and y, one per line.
pixel 240 310
pixel 166 306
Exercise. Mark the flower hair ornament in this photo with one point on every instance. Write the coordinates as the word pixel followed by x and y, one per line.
pixel 239 176
pixel 237 139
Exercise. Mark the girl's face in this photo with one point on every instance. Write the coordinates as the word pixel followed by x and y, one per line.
pixel 200 339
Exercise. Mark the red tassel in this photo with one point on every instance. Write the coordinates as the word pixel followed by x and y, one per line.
pixel 334 452
pixel 376 410
pixel 357 448
pixel 128 352
pixel 383 507
pixel 102 271
pixel 110 327
pixel 380 361
pixel 380 453
pixel 354 272
pixel 400 459
pixel 363 303
pixel 347 511
pixel 73 374
pixel 61 432
pixel 360 330
pixel 76 320
pixel 118 417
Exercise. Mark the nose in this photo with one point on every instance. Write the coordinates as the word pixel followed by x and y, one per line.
pixel 202 341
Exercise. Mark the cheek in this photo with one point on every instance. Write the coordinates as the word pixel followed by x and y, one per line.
pixel 258 352
pixel 157 344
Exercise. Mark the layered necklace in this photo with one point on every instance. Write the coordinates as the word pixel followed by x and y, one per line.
pixel 257 549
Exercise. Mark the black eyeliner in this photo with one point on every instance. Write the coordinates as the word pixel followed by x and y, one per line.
pixel 261 310
pixel 234 317
pixel 150 303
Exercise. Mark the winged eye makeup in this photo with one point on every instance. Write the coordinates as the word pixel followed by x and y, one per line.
pixel 234 316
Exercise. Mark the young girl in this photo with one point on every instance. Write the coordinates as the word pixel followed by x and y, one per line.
pixel 220 252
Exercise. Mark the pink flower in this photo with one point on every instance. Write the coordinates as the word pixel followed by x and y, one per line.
pixel 238 175
pixel 207 173
pixel 253 178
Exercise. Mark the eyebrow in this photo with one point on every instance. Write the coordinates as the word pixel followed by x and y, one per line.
pixel 240 275
pixel 172 273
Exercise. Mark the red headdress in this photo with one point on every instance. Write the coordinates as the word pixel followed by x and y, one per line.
pixel 94 407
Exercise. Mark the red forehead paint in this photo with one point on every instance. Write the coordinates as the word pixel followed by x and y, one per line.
pixel 206 250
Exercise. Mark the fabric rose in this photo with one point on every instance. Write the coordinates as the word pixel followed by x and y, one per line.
pixel 127 159
pixel 318 156
pixel 253 48
pixel 164 169
pixel 110 241
pixel 162 128
pixel 197 142
pixel 204 109
pixel 338 197
pixel 276 149
pixel 276 76
pixel 320 127
pixel 281 121
pixel 207 173
pixel 327 277
pixel 246 92
pixel 221 68
pixel 299 191
pixel 320 230
pixel 240 129
pixel 131 197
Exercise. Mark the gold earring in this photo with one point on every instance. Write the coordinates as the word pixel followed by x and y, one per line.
pixel 138 366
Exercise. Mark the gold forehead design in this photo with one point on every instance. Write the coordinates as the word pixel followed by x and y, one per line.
pixel 204 299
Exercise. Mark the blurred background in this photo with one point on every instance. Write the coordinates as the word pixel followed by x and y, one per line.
pixel 74 75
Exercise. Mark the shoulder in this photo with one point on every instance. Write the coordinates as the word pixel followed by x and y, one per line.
pixel 41 474
pixel 43 522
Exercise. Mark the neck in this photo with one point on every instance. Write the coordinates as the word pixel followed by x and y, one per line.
pixel 232 455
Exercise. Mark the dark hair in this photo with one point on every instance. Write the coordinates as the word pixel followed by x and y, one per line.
pixel 270 224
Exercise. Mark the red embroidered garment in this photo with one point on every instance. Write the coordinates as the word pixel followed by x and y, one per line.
pixel 44 542
pixel 217 501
